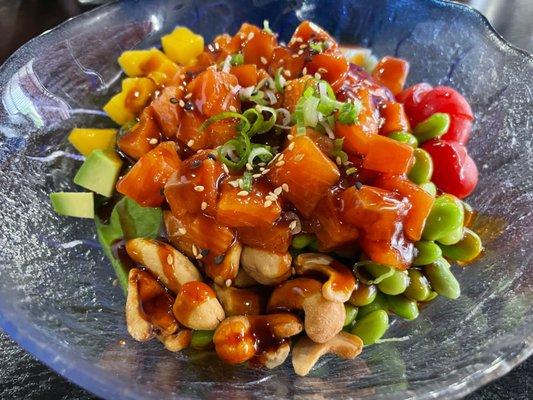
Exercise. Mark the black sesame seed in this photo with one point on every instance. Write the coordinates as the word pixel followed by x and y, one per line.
pixel 219 259
pixel 189 106
pixel 204 252
pixel 212 156
pixel 196 164
pixel 173 100
pixel 358 185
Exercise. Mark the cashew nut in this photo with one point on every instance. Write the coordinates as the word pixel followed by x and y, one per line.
pixel 148 307
pixel 323 318
pixel 164 261
pixel 266 267
pixel 341 281
pixel 225 267
pixel 197 307
pixel 263 338
pixel 306 353
pixel 239 301
pixel 177 341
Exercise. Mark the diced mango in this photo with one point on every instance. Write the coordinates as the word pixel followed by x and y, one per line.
pixel 135 94
pixel 85 140
pixel 183 46
pixel 152 64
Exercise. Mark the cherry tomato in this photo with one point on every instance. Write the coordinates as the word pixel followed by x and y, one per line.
pixel 411 96
pixel 454 171
pixel 445 100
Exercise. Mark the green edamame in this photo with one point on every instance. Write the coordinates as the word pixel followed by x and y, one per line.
pixel 363 294
pixel 445 218
pixel 379 303
pixel 422 169
pixel 426 253
pixel 441 279
pixel 405 137
pixel 419 288
pixel 371 327
pixel 351 313
pixel 469 213
pixel 453 238
pixel 395 281
pixel 403 307
pixel 201 339
pixel 430 188
pixel 432 296
pixel 434 126
pixel 314 246
pixel 466 249
pixel 302 240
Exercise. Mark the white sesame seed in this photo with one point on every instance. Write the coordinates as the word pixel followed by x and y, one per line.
pixel 182 76
pixel 265 171
pixel 249 167
pixel 181 103
pixel 294 56
pixel 299 157
pixel 115 282
pixel 194 250
pixel 188 95
pixel 228 282
pixel 263 60
pixel 182 231
pixel 318 76
pixel 300 52
pixel 287 73
pixel 281 157
pixel 270 198
pixel 304 71
pixel 243 193
pixel 298 39
pixel 199 188
pixel 278 190
pixel 170 260
pixel 153 141
pixel 225 168
pixel 290 146
pixel 261 164
pixel 290 137
pixel 303 46
pixel 292 225
pixel 217 46
pixel 285 187
pixel 267 203
pixel 203 206
pixel 255 176
pixel 199 256
pixel 232 109
pixel 250 36
pixel 210 48
pixel 280 163
pixel 338 160
pixel 181 87
pixel 190 143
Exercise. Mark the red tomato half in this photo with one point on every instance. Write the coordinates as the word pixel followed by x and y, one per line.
pixel 445 100
pixel 454 171
pixel 412 96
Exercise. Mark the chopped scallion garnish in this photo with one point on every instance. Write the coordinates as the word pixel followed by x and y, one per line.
pixel 247 181
pixel 348 113
pixel 237 59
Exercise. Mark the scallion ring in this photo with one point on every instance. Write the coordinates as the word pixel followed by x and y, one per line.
pixel 244 124
pixel 241 146
pixel 264 153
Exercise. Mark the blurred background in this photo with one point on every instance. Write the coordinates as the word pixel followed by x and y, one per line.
pixel 23 377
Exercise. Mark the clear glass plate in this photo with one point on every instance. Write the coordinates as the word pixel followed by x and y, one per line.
pixel 56 293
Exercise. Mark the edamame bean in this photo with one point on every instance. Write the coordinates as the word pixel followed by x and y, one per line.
pixel 419 288
pixel 379 303
pixel 363 294
pixel 314 245
pixel 403 307
pixel 422 169
pixel 434 126
pixel 405 137
pixel 371 327
pixel 441 279
pixel 302 240
pixel 453 238
pixel 430 188
pixel 426 253
pixel 467 249
pixel 351 313
pixel 395 282
pixel 432 296
pixel 201 339
pixel 469 213
pixel 445 218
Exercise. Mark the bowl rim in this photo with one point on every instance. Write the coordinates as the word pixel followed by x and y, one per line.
pixel 83 373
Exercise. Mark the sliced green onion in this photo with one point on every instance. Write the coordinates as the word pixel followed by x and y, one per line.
pixel 244 124
pixel 266 27
pixel 318 47
pixel 310 111
pixel 240 146
pixel 247 181
pixel 237 59
pixel 255 119
pixel 337 145
pixel 264 153
pixel 269 123
pixel 309 92
pixel 348 113
pixel 279 81
pixel 325 89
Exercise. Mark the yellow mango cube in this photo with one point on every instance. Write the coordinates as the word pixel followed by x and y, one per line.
pixel 135 95
pixel 152 63
pixel 183 46
pixel 85 140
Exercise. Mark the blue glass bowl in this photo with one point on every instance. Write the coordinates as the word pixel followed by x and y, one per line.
pixel 57 297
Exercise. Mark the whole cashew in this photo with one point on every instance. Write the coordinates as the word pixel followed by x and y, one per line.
pixel 266 267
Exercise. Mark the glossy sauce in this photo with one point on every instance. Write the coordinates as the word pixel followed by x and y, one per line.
pixel 165 255
pixel 265 339
pixel 289 295
pixel 191 296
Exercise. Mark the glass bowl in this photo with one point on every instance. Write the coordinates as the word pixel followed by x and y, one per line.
pixel 57 297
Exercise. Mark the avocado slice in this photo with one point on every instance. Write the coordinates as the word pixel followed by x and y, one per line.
pixel 72 204
pixel 99 172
